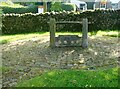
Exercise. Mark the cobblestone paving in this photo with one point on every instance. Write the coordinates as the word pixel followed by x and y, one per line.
pixel 25 59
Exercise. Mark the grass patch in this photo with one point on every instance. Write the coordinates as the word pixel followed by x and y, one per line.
pixel 3 4
pixel 108 33
pixel 3 41
pixel 10 38
pixel 69 33
pixel 3 68
pixel 74 78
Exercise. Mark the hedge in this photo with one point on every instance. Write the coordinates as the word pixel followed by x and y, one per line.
pixel 25 23
pixel 1 11
pixel 34 8
pixel 20 10
pixel 58 6
pixel 69 7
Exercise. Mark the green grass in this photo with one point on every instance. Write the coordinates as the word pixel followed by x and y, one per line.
pixel 10 38
pixel 3 68
pixel 74 78
pixel 109 33
pixel 3 4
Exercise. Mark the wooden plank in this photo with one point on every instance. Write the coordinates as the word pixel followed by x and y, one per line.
pixel 70 22
pixel 68 41
pixel 85 33
pixel 52 32
pixel 64 22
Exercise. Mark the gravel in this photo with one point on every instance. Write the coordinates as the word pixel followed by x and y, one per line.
pixel 30 58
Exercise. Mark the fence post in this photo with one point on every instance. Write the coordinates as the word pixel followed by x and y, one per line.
pixel 85 33
pixel 52 31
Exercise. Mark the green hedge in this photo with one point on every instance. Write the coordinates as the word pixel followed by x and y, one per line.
pixel 25 23
pixel 69 7
pixel 58 6
pixel 20 10
pixel 1 11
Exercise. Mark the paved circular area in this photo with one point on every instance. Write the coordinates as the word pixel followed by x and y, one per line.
pixel 25 59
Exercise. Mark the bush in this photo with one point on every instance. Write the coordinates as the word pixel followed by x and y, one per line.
pixel 25 23
pixel 57 6
pixel 20 10
pixel 69 7
pixel 1 11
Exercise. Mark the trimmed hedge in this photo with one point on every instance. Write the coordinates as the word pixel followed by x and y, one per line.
pixel 58 6
pixel 69 7
pixel 25 23
pixel 1 11
pixel 20 10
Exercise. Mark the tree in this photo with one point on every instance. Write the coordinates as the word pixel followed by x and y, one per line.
pixel 45 6
pixel 57 6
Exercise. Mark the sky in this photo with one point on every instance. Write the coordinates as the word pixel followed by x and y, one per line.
pixel 114 1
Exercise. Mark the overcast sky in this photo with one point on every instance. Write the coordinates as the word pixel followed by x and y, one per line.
pixel 114 1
